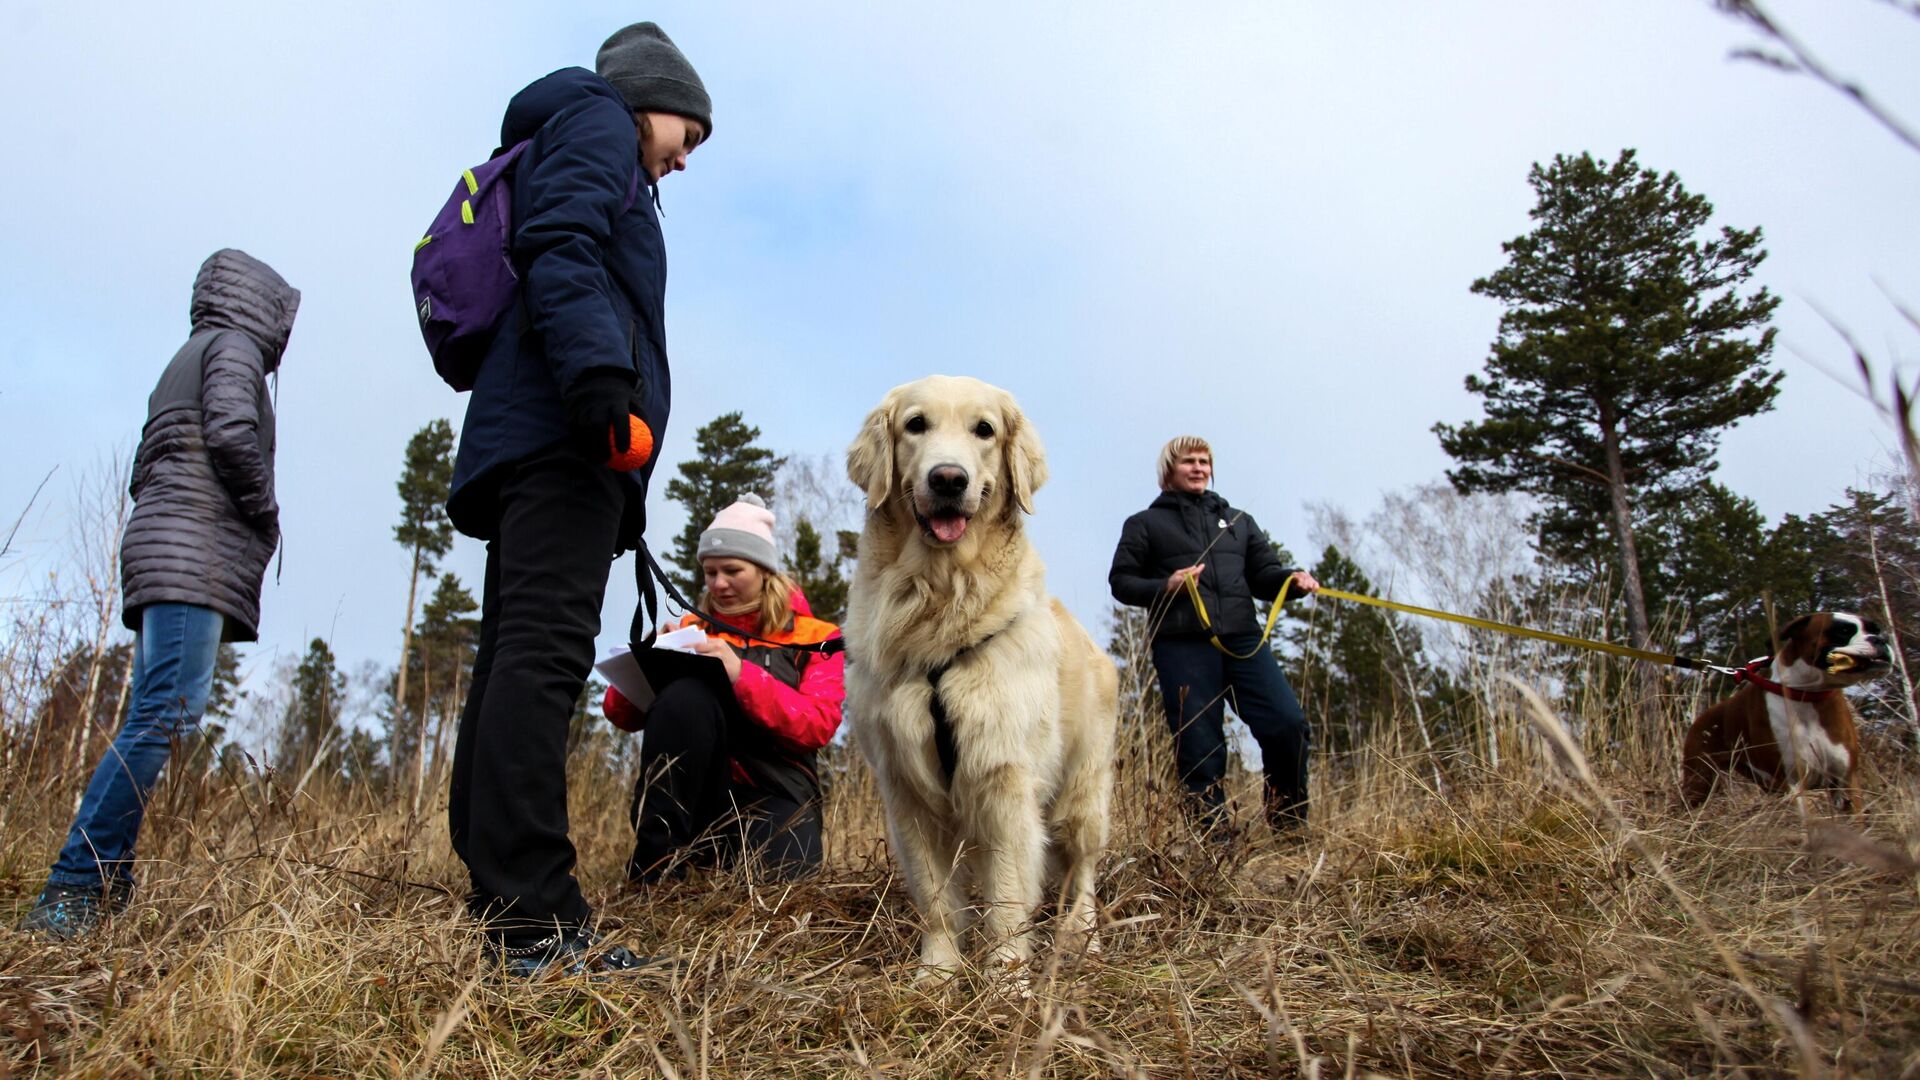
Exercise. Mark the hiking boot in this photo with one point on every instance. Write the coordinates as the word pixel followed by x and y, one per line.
pixel 65 912
pixel 571 951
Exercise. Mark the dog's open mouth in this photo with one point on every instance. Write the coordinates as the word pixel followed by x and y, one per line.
pixel 1839 663
pixel 945 526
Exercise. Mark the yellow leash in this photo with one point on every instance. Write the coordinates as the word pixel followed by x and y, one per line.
pixel 1206 621
pixel 1669 659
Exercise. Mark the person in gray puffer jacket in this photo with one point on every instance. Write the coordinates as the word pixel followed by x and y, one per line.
pixel 204 526
pixel 205 522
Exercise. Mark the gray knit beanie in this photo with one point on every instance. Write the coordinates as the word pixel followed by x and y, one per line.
pixel 652 74
pixel 741 531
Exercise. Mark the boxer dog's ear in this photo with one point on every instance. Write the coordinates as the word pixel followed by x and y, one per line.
pixel 1790 632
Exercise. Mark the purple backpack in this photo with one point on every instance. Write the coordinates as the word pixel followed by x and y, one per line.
pixel 463 275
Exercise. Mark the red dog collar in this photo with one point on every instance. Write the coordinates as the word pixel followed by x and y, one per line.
pixel 1751 674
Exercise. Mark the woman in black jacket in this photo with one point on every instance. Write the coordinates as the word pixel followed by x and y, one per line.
pixel 1190 532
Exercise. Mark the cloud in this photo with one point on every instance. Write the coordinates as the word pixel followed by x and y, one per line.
pixel 1252 221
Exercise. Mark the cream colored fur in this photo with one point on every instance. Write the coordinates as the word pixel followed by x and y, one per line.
pixel 1031 699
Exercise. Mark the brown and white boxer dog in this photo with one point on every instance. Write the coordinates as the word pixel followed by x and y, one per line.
pixel 1789 726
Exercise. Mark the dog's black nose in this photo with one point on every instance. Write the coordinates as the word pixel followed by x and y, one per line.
pixel 947 481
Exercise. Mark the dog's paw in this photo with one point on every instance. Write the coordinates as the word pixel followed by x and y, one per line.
pixel 928 976
pixel 1011 980
pixel 939 959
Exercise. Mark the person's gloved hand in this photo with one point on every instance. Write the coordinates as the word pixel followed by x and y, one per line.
pixel 601 423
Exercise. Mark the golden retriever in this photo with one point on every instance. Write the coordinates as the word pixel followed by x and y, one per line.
pixel 949 618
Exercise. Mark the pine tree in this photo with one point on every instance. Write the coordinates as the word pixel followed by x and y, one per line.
pixel 1350 673
pixel 726 465
pixel 439 660
pixel 426 479
pixel 360 763
pixel 226 695
pixel 1626 348
pixel 445 645
pixel 818 576
pixel 1707 569
pixel 312 719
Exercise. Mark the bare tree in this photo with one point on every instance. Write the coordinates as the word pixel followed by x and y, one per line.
pixel 815 487
pixel 100 508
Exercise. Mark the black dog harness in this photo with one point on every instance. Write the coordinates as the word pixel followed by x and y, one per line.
pixel 943 727
pixel 943 743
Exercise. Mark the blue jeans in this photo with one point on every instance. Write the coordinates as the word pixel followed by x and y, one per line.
pixel 1195 680
pixel 173 662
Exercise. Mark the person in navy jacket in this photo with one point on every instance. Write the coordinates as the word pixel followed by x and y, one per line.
pixel 1191 532
pixel 574 389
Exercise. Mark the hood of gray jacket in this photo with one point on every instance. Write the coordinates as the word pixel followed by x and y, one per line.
pixel 235 291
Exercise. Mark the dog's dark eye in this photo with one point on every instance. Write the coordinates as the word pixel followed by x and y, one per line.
pixel 1840 632
pixel 983 429
pixel 916 424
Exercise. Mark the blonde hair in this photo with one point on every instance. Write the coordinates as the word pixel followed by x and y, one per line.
pixel 776 600
pixel 1178 447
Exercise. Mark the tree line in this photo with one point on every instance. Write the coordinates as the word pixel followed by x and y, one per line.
pixel 1632 337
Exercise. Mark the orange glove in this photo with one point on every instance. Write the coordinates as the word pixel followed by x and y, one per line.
pixel 638 448
pixel 621 713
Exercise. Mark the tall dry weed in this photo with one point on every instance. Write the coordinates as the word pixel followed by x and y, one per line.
pixel 1447 916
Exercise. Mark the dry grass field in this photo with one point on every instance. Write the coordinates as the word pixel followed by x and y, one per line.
pixel 1477 913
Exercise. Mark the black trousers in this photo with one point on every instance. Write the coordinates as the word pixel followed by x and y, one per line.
pixel 562 518
pixel 1195 679
pixel 689 811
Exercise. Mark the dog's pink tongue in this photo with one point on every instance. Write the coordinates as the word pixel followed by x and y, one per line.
pixel 949 529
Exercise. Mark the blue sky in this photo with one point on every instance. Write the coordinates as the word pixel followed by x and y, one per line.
pixel 1255 222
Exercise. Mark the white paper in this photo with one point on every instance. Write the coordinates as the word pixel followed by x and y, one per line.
pixel 681 640
pixel 623 672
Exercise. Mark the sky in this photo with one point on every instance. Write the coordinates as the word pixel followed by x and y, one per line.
pixel 1256 222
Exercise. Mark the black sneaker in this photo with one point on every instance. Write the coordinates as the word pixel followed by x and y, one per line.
pixel 65 912
pixel 572 951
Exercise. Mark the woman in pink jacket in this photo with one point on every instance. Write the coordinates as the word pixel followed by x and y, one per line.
pixel 727 776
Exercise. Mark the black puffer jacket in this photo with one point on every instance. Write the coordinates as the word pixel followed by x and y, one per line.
pixel 1178 530
pixel 204 521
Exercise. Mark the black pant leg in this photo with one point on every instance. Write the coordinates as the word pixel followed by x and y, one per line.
pixel 460 786
pixel 782 835
pixel 1193 684
pixel 1268 706
pixel 682 789
pixel 559 517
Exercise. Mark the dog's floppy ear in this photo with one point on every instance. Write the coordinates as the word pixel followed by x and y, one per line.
pixel 1026 458
pixel 1792 629
pixel 870 456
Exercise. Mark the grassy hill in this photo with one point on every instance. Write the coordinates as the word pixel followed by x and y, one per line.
pixel 1475 911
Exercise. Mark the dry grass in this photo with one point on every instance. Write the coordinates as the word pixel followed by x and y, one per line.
pixel 1517 925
